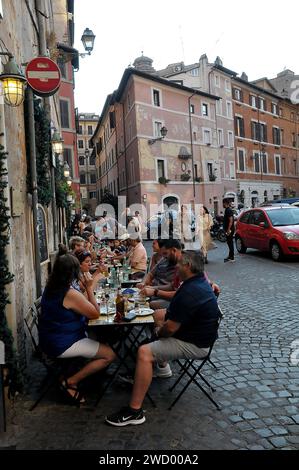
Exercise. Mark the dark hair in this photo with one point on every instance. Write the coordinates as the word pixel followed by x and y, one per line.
pixel 88 229
pixel 225 201
pixel 65 270
pixel 82 255
pixel 161 242
pixel 206 210
pixel 172 243
pixel 86 234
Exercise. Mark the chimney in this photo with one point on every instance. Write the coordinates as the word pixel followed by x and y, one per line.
pixel 244 77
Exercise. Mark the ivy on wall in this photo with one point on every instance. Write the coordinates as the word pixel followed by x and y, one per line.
pixel 43 152
pixel 13 377
pixel 62 188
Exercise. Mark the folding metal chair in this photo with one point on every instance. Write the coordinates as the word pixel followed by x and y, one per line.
pixel 55 367
pixel 193 369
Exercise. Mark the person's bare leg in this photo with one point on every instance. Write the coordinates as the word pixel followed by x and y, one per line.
pixel 159 319
pixel 103 358
pixel 143 376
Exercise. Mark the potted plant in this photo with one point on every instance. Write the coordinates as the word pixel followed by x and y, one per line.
pixel 163 180
pixel 212 177
pixel 185 177
pixel 198 179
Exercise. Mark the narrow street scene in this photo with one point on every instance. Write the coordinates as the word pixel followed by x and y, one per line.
pixel 149 230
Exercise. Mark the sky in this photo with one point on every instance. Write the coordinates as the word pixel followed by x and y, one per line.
pixel 259 37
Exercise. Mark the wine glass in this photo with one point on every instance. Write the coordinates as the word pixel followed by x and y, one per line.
pixel 107 297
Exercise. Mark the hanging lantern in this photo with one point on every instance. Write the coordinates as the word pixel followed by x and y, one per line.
pixel 13 83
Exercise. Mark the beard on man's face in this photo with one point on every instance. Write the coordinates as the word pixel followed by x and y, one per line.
pixel 172 259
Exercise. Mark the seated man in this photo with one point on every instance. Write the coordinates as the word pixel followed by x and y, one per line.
pixel 162 282
pixel 137 257
pixel 189 329
pixel 76 244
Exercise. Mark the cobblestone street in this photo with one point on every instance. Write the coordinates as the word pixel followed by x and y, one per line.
pixel 257 386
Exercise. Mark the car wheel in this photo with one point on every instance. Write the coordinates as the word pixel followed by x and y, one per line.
pixel 241 248
pixel 276 252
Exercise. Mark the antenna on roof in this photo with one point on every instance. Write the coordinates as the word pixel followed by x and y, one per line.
pixel 182 42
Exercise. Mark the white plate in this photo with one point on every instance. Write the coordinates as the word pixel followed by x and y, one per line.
pixel 142 312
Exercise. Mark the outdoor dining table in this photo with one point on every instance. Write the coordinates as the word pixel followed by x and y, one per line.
pixel 129 340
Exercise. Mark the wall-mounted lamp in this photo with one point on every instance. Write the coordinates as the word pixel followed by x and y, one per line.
pixel 88 40
pixel 69 182
pixel 163 132
pixel 66 170
pixel 57 143
pixel 144 197
pixel 13 82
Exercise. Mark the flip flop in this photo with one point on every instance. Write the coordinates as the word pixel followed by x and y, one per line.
pixel 76 398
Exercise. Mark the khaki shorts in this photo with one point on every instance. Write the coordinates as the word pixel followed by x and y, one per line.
pixel 83 348
pixel 168 349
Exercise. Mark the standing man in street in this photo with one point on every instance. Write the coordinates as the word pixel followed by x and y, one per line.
pixel 229 227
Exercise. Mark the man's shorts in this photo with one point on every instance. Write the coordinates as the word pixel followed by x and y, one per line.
pixel 169 349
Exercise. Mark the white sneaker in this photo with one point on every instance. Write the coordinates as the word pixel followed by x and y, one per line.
pixel 162 372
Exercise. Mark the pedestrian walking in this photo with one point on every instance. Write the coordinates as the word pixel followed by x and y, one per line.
pixel 229 227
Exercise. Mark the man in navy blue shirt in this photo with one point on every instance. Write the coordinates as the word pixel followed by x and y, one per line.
pixel 189 329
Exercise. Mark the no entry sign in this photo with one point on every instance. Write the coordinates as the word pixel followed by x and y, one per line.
pixel 43 75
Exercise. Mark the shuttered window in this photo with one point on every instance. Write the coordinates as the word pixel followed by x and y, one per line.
pixel 64 114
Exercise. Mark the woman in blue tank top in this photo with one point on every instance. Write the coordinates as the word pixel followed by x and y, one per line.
pixel 64 315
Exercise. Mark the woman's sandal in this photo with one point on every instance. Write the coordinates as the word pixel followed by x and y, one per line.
pixel 76 398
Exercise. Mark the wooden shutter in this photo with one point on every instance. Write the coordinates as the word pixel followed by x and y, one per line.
pixel 252 130
pixel 242 128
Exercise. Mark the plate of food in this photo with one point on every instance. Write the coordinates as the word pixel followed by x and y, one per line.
pixel 143 312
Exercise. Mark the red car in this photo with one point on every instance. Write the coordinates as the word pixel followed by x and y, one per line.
pixel 273 229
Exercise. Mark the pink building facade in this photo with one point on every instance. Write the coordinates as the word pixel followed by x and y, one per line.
pixel 183 167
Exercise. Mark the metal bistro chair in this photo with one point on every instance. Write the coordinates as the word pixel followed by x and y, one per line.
pixel 196 372
pixel 55 367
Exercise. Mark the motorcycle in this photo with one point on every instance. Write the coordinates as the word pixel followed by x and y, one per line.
pixel 217 231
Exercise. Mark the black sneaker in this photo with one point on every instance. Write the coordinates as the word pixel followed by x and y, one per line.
pixel 226 260
pixel 126 416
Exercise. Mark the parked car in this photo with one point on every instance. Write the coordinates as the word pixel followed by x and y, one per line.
pixel 289 200
pixel 273 228
pixel 296 204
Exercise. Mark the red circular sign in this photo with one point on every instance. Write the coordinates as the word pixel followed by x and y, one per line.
pixel 43 75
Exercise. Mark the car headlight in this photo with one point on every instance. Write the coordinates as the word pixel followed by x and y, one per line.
pixel 291 236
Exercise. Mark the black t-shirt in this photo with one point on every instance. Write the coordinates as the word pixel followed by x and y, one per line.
pixel 227 214
pixel 195 307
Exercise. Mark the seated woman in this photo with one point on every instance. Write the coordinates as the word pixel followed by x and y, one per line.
pixel 63 323
pixel 84 258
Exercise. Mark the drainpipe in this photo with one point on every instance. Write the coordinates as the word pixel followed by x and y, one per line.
pixel 39 7
pixel 31 129
pixel 125 145
pixel 191 141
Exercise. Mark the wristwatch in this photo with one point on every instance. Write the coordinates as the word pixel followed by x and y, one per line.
pixel 156 292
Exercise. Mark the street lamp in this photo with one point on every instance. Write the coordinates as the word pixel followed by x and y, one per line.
pixel 163 132
pixel 57 143
pixel 13 82
pixel 66 170
pixel 88 40
pixel 69 182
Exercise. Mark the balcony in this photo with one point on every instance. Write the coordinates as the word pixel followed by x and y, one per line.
pixel 184 154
